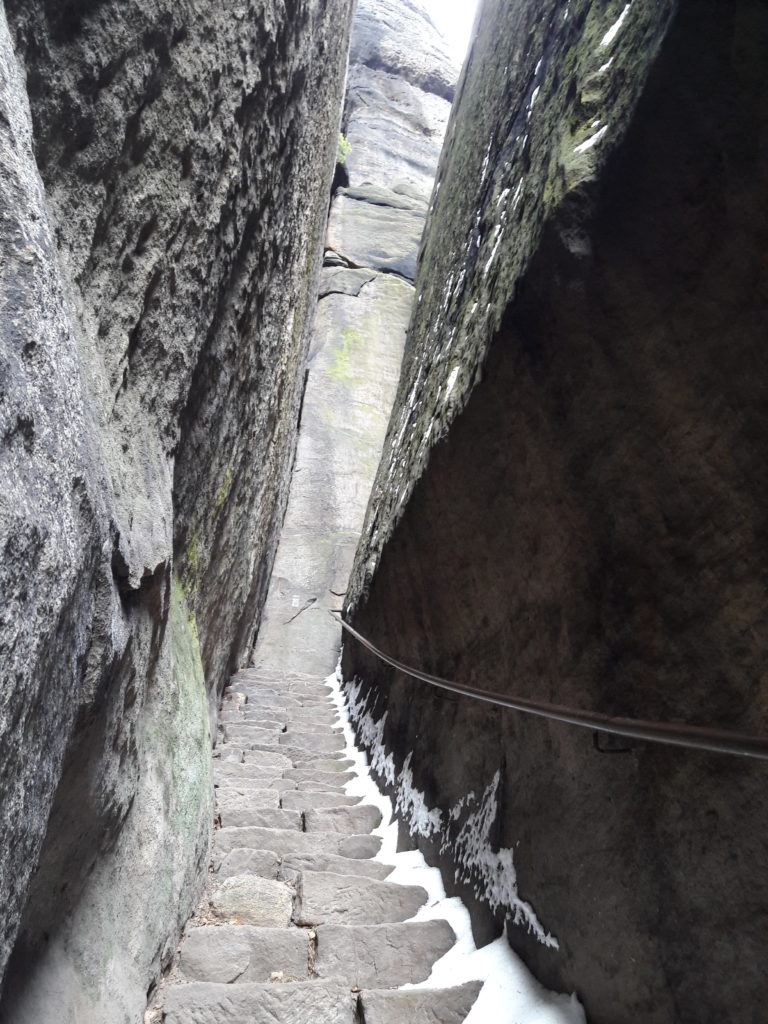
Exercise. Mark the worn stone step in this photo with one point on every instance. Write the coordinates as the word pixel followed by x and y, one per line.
pixel 300 757
pixel 229 753
pixel 294 863
pixel 249 862
pixel 248 736
pixel 328 898
pixel 276 759
pixel 381 956
pixel 251 899
pixel 314 1002
pixel 316 742
pixel 332 764
pixel 420 1006
pixel 349 820
pixel 323 778
pixel 242 815
pixel 274 705
pixel 286 842
pixel 316 728
pixel 327 715
pixel 297 801
pixel 231 799
pixel 243 953
pixel 245 783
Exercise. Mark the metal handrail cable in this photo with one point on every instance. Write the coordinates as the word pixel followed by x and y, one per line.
pixel 719 741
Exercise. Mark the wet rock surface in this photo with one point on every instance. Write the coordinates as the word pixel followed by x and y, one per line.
pixel 588 341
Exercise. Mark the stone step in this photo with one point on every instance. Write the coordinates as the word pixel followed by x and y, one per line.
pixel 323 778
pixel 230 799
pixel 249 737
pixel 315 1002
pixel 243 953
pixel 286 842
pixel 250 862
pixel 243 815
pixel 245 783
pixel 328 898
pixel 251 899
pixel 419 1006
pixel 293 863
pixel 229 753
pixel 300 757
pixel 319 715
pixel 277 760
pixel 297 801
pixel 381 956
pixel 349 820
pixel 316 742
pixel 316 728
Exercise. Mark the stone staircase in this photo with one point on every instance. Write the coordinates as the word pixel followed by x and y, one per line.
pixel 300 925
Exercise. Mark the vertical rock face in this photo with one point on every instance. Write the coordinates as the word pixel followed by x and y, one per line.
pixel 397 106
pixel 165 169
pixel 571 502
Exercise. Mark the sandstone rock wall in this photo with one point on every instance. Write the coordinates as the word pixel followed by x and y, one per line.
pixel 571 502
pixel 395 115
pixel 165 173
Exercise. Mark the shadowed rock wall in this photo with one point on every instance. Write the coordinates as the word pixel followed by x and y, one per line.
pixel 163 211
pixel 571 504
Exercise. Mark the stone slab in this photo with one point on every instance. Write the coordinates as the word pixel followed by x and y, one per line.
pixel 243 953
pixel 329 898
pixel 333 862
pixel 420 1006
pixel 381 956
pixel 286 842
pixel 230 799
pixel 306 801
pixel 250 899
pixel 306 1003
pixel 241 861
pixel 349 820
pixel 242 816
pixel 316 742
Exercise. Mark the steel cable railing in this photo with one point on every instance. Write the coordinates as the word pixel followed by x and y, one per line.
pixel 719 741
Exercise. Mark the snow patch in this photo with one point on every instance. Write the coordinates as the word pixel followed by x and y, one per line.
pixel 614 30
pixel 591 141
pixel 510 995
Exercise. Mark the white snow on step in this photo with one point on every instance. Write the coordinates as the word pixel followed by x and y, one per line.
pixel 510 994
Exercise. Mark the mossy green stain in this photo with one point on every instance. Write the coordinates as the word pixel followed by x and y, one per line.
pixel 223 492
pixel 340 368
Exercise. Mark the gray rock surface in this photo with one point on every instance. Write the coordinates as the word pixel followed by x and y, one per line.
pixel 251 899
pixel 287 841
pixel 428 1006
pixel 245 812
pixel 338 865
pixel 383 956
pixel 326 898
pixel 204 1003
pixel 159 258
pixel 350 820
pixel 241 861
pixel 245 954
pixel 306 801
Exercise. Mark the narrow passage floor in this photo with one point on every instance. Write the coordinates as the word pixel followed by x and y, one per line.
pixel 301 925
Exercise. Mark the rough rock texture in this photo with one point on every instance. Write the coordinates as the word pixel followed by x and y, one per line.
pixel 201 1003
pixel 157 285
pixel 592 529
pixel 396 110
